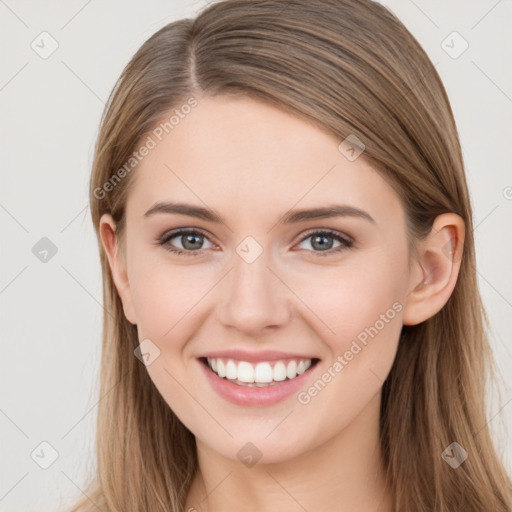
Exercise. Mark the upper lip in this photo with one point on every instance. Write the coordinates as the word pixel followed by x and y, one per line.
pixel 255 357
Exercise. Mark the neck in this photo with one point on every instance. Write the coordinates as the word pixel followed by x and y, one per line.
pixel 345 473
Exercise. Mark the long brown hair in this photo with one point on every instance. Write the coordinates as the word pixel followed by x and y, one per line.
pixel 351 67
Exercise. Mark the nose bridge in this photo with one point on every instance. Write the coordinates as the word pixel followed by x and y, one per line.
pixel 254 298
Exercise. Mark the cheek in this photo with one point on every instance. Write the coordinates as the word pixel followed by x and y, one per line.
pixel 164 295
pixel 360 293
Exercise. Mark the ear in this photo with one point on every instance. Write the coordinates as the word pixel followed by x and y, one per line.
pixel 117 265
pixel 435 269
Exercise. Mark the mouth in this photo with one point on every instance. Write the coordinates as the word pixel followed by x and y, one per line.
pixel 261 374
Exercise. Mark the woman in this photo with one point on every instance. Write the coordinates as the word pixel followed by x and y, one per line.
pixel 292 314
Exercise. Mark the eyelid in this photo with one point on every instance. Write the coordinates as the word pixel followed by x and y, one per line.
pixel 168 235
pixel 328 231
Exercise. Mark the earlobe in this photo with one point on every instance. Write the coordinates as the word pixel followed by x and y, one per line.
pixel 107 229
pixel 435 269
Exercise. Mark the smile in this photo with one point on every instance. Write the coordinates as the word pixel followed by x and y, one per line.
pixel 264 373
pixel 240 382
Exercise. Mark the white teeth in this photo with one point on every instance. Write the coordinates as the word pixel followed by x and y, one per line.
pixel 221 369
pixel 260 374
pixel 245 372
pixel 231 370
pixel 263 372
pixel 279 371
pixel 291 369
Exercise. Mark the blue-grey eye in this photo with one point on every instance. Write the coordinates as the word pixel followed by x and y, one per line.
pixel 323 241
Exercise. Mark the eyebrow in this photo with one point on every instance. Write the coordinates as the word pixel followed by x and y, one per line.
pixel 290 217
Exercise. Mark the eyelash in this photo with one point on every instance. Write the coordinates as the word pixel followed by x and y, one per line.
pixel 346 243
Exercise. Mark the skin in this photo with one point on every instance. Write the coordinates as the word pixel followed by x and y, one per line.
pixel 251 163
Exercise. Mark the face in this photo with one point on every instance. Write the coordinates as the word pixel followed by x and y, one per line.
pixel 258 284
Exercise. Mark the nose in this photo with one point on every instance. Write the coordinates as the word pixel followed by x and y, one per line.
pixel 255 297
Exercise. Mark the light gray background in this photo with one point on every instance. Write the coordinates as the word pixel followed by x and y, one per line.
pixel 50 112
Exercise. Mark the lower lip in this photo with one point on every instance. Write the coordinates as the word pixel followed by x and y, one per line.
pixel 254 396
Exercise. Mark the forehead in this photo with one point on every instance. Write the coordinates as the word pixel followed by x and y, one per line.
pixel 242 156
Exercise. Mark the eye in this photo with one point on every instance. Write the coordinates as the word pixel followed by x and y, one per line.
pixel 191 241
pixel 322 240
